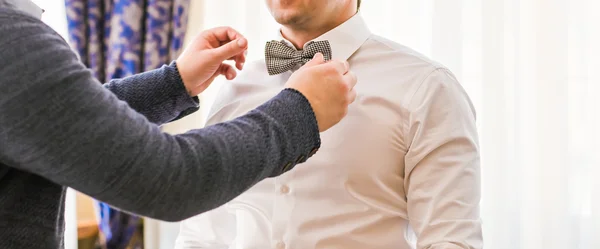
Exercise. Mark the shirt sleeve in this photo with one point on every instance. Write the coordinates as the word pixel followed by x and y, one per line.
pixel 215 229
pixel 159 94
pixel 58 122
pixel 443 166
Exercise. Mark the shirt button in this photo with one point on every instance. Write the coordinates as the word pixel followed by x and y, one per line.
pixel 287 167
pixel 313 152
pixel 280 245
pixel 284 189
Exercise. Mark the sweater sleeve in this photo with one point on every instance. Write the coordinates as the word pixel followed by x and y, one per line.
pixel 158 94
pixel 58 122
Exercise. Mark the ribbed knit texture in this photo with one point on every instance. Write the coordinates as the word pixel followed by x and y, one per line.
pixel 60 127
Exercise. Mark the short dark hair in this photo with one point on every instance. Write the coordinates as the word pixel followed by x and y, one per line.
pixel 358 5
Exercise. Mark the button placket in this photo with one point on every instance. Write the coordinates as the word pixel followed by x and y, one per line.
pixel 283 202
pixel 287 167
pixel 313 152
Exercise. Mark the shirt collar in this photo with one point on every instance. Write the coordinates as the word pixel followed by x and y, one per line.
pixel 26 6
pixel 345 39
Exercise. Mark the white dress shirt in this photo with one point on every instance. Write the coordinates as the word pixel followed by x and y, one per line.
pixel 401 171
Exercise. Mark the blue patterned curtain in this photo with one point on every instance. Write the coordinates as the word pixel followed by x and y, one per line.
pixel 118 38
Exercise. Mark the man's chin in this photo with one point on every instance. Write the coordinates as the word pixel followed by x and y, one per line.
pixel 288 18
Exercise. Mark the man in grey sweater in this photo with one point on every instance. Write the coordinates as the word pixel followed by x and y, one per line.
pixel 59 127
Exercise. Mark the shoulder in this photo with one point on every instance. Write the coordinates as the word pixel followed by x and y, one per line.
pixel 20 32
pixel 28 45
pixel 394 53
pixel 35 57
pixel 397 64
pixel 396 61
pixel 410 72
pixel 12 20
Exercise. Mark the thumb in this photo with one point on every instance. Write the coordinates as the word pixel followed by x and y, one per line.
pixel 318 59
pixel 231 49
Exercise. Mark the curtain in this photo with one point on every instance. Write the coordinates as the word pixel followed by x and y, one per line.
pixel 118 38
pixel 530 67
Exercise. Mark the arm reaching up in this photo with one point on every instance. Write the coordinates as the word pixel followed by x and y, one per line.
pixel 58 122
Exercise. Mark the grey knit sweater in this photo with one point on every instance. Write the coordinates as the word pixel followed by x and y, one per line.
pixel 60 127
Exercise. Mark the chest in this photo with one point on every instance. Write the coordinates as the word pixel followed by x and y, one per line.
pixel 360 165
pixel 367 143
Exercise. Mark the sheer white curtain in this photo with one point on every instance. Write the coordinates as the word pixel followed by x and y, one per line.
pixel 531 68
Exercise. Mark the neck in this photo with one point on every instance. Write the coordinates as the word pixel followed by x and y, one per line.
pixel 299 36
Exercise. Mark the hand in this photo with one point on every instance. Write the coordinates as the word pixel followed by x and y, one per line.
pixel 329 88
pixel 202 61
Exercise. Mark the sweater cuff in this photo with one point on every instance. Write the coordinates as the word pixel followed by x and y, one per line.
pixel 184 103
pixel 184 99
pixel 295 114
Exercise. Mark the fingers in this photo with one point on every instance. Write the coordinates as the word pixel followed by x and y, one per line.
pixel 223 34
pixel 351 96
pixel 240 60
pixel 227 43
pixel 224 69
pixel 228 71
pixel 233 49
pixel 350 79
pixel 341 67
pixel 318 59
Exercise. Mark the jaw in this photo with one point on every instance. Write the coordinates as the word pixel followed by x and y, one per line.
pixel 303 22
pixel 293 17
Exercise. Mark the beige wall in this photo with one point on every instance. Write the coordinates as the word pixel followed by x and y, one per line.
pixel 195 21
pixel 85 208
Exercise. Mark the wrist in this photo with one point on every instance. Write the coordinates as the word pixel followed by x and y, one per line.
pixel 182 76
pixel 300 126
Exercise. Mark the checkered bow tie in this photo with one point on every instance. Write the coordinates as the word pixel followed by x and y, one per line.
pixel 281 58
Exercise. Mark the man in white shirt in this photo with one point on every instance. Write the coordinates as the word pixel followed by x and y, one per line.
pixel 401 171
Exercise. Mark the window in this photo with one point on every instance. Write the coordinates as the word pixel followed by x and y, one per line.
pixel 54 15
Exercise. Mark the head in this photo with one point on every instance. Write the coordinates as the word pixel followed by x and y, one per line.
pixel 312 14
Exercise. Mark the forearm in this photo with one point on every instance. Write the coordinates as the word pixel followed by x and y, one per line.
pixel 58 122
pixel 159 94
pixel 181 176
pixel 108 151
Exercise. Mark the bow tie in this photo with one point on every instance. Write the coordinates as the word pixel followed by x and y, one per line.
pixel 281 58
